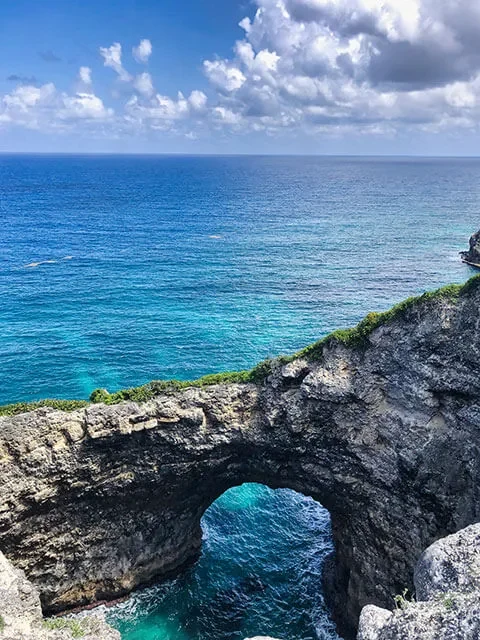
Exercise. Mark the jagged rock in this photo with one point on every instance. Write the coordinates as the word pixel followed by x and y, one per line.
pixel 21 613
pixel 384 433
pixel 473 254
pixel 447 583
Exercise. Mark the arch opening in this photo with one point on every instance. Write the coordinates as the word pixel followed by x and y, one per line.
pixel 259 573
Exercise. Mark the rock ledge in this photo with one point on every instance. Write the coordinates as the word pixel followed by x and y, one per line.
pixel 21 613
pixel 447 584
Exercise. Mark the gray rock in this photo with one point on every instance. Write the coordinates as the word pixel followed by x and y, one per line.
pixel 384 433
pixel 473 253
pixel 450 565
pixel 447 581
pixel 21 613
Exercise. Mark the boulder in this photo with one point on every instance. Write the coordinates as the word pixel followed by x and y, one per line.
pixel 447 606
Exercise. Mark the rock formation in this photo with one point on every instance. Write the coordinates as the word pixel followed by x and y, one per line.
pixel 447 587
pixel 381 426
pixel 21 614
pixel 473 254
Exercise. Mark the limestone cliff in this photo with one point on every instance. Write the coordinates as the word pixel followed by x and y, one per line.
pixel 382 426
pixel 472 256
pixel 447 590
pixel 21 614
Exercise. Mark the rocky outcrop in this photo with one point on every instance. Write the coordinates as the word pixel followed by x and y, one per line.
pixel 472 256
pixel 381 426
pixel 21 614
pixel 447 586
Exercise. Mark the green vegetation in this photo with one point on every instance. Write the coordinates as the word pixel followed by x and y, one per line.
pixel 448 602
pixel 355 337
pixel 23 407
pixel 152 389
pixel 404 600
pixel 2 624
pixel 76 627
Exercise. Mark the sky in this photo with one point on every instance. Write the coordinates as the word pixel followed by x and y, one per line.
pixel 396 77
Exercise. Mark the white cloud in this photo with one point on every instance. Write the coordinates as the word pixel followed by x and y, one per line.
pixel 143 52
pixel 224 76
pixel 85 75
pixel 226 116
pixel 112 57
pixel 376 66
pixel 163 112
pixel 83 106
pixel 310 66
pixel 144 85
pixel 198 100
pixel 46 108
pixel 25 97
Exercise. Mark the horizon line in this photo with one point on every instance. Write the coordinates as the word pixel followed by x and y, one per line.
pixel 235 155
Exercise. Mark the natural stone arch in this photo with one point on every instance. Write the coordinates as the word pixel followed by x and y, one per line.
pixel 384 433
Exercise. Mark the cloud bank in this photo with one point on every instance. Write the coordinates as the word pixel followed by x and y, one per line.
pixel 322 67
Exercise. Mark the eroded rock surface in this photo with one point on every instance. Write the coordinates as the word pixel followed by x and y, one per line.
pixel 21 613
pixel 385 434
pixel 447 584
pixel 473 253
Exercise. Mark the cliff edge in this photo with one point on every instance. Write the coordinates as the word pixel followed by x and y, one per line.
pixel 380 424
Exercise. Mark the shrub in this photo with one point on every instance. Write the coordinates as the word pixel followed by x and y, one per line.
pixel 2 624
pixel 23 407
pixel 404 600
pixel 74 626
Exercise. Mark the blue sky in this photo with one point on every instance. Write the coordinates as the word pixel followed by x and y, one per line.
pixel 221 76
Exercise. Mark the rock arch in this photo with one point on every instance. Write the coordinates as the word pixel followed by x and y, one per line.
pixel 384 433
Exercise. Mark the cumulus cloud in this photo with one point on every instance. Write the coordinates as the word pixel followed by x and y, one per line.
pixel 143 52
pixel 47 108
pixel 85 106
pixel 362 63
pixel 112 57
pixel 85 75
pixel 143 84
pixel 315 66
pixel 165 113
pixel 224 76
pixel 198 101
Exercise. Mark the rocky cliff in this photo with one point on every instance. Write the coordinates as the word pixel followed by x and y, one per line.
pixel 472 256
pixel 447 596
pixel 381 425
pixel 21 614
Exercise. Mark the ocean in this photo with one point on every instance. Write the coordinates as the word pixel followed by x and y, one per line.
pixel 116 270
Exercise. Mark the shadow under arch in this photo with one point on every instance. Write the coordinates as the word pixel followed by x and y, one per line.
pixel 259 572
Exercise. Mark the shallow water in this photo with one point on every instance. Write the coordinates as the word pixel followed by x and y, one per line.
pixel 117 270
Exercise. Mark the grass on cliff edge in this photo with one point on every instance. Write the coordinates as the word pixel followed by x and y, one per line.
pixel 355 337
pixel 76 627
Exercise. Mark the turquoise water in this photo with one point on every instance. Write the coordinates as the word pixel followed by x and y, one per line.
pixel 259 573
pixel 117 270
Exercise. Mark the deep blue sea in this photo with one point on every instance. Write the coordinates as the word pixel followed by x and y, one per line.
pixel 117 270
